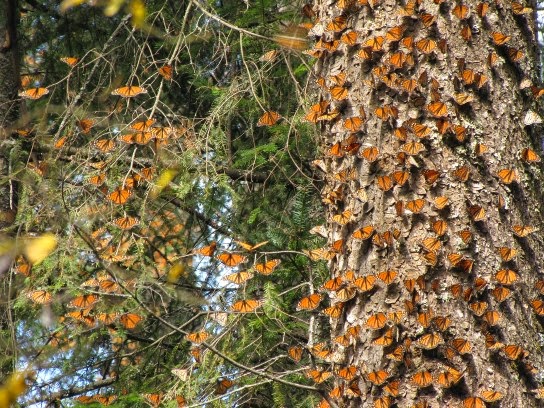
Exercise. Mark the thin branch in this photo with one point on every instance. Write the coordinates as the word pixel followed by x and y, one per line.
pixel 72 391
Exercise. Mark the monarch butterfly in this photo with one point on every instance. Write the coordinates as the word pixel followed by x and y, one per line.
pixel 492 317
pixel 339 93
pixel 71 61
pixel 376 321
pixel 395 33
pixel 40 297
pixel 463 98
pixel 85 125
pixel 335 150
pixel 430 341
pixel 153 399
pixel 349 37
pixel 385 340
pixel 365 53
pixel 342 218
pixel 479 308
pixel 375 43
pixel 319 254
pixel 412 148
pixel 377 377
pixel 353 124
pixel 425 318
pixel 427 19
pixel 347 373
pixel 250 247
pixel 143 126
pixel 438 109
pixel 506 277
pixel 501 293
pixel 295 353
pixel 507 253
pixel 268 267
pixel 440 227
pixel 466 32
pixel 197 337
pixel 166 72
pixel 320 351
pixel 97 180
pixel 422 379
pixel 400 177
pixel 182 403
pixel 442 322
pixel 392 388
pixel 351 145
pixel 231 259
pixel 309 302
pixel 239 277
pixel 538 306
pixel 126 222
pixel 334 311
pixel 384 183
pixel 269 56
pixel 129 91
pixel 345 294
pixel 508 176
pixel 516 55
pixel 365 283
pixel 397 354
pixel 415 206
pixel 473 402
pixel 130 320
pixel 33 93
pixel 387 111
pixel 104 145
pixel 449 377
pixel 370 154
pixel 492 58
pixel 141 138
pixel 482 8
pixel 208 250
pixel 84 301
pixel 120 195
pixel 476 212
pixel 269 118
pixel 491 396
pixel 107 318
pixel 337 24
pixel 520 9
pixel 461 345
pixel 318 376
pixel 105 399
pixel 109 286
pixel 460 11
pixel 431 244
pixel 499 38
pixel 426 45
pixel 246 306
pixel 196 352
pixel 480 149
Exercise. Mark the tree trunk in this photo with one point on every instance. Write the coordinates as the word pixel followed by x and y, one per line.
pixel 9 111
pixel 450 264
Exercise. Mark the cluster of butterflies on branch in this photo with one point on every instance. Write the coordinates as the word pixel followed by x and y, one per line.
pixel 392 58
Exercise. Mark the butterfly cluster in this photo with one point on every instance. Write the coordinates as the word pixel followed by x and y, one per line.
pixel 390 117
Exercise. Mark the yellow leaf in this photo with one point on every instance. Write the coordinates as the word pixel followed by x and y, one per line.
pixel 68 4
pixel 12 389
pixel 113 7
pixel 162 182
pixel 176 272
pixel 138 11
pixel 39 248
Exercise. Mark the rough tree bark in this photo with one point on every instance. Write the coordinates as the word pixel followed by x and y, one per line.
pixel 9 111
pixel 450 263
